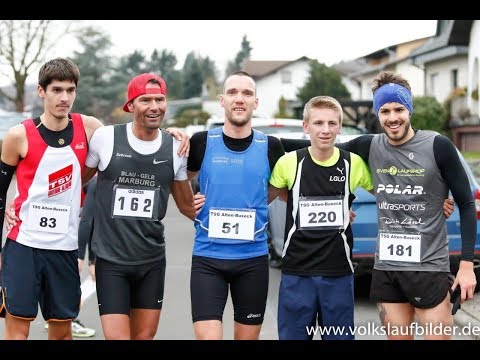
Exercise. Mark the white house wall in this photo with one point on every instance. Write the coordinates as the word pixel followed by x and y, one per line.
pixel 474 54
pixel 415 77
pixel 444 79
pixel 366 87
pixel 352 88
pixel 413 74
pixel 270 88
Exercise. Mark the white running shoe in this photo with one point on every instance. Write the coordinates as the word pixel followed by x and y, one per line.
pixel 80 330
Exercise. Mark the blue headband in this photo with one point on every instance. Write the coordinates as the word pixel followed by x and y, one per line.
pixel 392 93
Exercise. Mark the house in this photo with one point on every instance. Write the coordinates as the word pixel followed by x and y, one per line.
pixel 277 79
pixel 357 75
pixel 456 42
pixel 473 68
pixel 444 59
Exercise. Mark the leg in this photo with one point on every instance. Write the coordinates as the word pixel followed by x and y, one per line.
pixel 336 304
pixel 116 326
pixel 249 289
pixel 396 313
pixel 396 318
pixel 246 332
pixel 60 330
pixel 16 328
pixel 208 330
pixel 144 323
pixel 113 292
pixel 208 294
pixel 439 317
pixel 21 276
pixel 147 299
pixel 297 308
pixel 61 296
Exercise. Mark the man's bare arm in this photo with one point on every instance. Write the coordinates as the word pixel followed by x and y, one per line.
pixel 183 195
pixel 87 174
pixel 274 192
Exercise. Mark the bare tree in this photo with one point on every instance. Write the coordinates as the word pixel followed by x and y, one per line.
pixel 23 46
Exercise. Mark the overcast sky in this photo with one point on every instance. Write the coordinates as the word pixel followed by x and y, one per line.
pixel 328 41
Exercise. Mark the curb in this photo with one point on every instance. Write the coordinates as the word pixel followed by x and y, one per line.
pixel 466 318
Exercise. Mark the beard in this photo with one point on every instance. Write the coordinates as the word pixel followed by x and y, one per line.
pixel 399 136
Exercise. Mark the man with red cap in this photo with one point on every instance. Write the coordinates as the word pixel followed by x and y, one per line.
pixel 138 168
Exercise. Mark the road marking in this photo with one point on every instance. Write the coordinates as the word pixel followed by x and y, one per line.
pixel 88 288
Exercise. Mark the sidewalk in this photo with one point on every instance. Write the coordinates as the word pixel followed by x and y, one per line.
pixel 469 315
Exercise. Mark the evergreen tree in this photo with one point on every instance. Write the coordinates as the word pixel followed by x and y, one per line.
pixel 192 77
pixel 323 80
pixel 163 64
pixel 95 95
pixel 240 58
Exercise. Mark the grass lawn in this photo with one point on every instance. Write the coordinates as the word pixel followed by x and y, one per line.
pixel 469 155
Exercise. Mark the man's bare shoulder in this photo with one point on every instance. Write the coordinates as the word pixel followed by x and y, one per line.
pixel 91 122
pixel 14 145
pixel 16 133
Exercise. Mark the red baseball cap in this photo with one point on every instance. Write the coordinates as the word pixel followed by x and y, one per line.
pixel 137 87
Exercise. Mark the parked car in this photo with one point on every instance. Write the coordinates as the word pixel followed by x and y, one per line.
pixel 286 128
pixel 349 132
pixel 365 229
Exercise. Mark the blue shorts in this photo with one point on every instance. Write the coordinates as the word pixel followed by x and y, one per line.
pixel 305 300
pixel 31 276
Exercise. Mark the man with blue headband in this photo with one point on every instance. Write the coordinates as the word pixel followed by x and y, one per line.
pixel 413 171
pixel 411 276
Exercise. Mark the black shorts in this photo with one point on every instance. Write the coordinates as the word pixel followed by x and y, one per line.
pixel 31 276
pixel 422 289
pixel 248 281
pixel 121 288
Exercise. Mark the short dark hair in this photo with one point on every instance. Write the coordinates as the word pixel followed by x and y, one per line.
pixel 58 69
pixel 240 73
pixel 387 77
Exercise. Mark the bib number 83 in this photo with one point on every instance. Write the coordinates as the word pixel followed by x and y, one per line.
pixel 51 223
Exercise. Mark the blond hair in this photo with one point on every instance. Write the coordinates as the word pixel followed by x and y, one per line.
pixel 322 102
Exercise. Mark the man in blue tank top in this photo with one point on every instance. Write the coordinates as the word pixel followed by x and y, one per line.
pixel 230 251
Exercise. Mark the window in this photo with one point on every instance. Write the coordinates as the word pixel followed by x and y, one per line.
pixel 433 90
pixel 286 77
pixel 454 78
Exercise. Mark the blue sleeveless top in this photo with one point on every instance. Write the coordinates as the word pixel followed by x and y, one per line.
pixel 236 182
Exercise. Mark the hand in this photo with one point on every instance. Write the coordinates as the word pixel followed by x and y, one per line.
pixel 184 148
pixel 198 202
pixel 353 214
pixel 466 280
pixel 91 271
pixel 448 207
pixel 10 217
pixel 80 266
